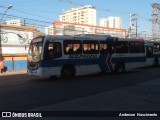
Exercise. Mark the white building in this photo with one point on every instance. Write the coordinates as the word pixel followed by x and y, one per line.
pixel 103 22
pixel 16 22
pixel 114 22
pixel 49 30
pixel 111 22
pixel 82 15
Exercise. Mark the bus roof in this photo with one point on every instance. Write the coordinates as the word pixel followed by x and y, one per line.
pixel 88 37
pixel 77 37
pixel 131 39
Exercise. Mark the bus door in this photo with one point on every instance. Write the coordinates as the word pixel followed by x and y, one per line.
pixel 149 51
pixel 52 52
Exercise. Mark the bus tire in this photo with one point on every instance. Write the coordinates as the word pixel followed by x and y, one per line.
pixel 119 68
pixel 68 71
pixel 156 62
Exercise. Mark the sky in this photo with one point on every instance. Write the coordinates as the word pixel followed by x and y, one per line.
pixel 42 13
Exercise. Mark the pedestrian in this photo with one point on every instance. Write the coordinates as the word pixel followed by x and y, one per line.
pixel 1 65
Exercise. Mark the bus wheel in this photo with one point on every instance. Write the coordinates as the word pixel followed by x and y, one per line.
pixel 68 72
pixel 156 63
pixel 119 68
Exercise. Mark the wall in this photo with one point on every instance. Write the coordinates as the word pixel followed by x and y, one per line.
pixel 15 63
pixel 14 40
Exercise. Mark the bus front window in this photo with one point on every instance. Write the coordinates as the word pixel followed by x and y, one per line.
pixel 35 50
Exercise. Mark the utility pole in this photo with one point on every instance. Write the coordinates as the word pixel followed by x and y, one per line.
pixel 136 19
pixel 155 19
pixel 131 19
pixel 130 25
pixel 1 56
pixel 9 7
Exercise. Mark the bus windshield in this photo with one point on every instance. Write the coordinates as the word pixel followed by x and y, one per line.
pixel 35 50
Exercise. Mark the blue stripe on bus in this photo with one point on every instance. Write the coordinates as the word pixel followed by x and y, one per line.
pixel 111 39
pixel 129 59
pixel 154 56
pixel 101 61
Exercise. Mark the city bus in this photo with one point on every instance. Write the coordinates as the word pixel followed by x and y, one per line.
pixel 153 52
pixel 69 56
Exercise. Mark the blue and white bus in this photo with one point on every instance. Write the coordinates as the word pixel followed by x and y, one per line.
pixel 153 52
pixel 69 56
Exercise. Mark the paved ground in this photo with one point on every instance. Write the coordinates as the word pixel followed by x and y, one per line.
pixel 137 97
pixel 142 92
pixel 141 97
pixel 147 93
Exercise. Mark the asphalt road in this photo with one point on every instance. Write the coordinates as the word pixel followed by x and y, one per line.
pixel 21 92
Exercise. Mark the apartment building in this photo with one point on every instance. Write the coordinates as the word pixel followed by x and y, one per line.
pixel 111 22
pixel 49 30
pixel 81 15
pixel 103 22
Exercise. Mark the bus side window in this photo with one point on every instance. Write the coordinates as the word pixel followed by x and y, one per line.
pixel 52 50
pixel 142 47
pixel 110 47
pixel 72 47
pixel 103 47
pixel 134 47
pixel 90 47
pixel 156 47
pixel 121 47
pixel 57 49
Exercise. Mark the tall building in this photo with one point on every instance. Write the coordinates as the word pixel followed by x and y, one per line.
pixel 114 22
pixel 103 22
pixel 81 15
pixel 111 22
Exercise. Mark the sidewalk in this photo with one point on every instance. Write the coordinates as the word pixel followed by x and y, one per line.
pixel 13 72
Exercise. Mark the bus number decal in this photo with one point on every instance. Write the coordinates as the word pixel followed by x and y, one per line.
pixel 82 56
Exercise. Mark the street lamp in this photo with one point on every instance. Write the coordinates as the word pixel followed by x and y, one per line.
pixel 9 7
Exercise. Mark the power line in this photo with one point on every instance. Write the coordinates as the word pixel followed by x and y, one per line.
pixel 32 14
pixel 99 9
pixel 13 16
pixel 47 22
pixel 28 13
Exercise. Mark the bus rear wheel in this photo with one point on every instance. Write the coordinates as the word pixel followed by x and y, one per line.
pixel 119 68
pixel 68 72
pixel 156 62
